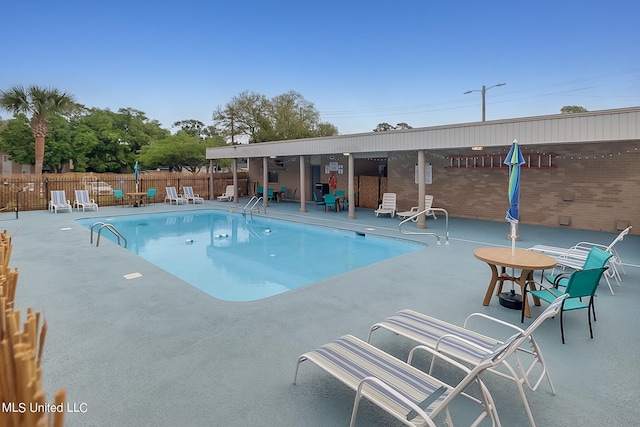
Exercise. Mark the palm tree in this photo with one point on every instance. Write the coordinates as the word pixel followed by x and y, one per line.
pixel 38 102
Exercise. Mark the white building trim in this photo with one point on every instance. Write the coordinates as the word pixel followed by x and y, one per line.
pixel 591 127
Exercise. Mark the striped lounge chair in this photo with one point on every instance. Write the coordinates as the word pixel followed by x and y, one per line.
pixel 410 395
pixel 471 348
pixel 575 257
pixel 59 202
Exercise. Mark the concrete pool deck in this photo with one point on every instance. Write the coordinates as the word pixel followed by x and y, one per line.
pixel 155 351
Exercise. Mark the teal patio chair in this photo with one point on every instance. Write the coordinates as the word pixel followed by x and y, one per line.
pixel 291 196
pixel 151 192
pixel 597 258
pixel 581 284
pixel 318 202
pixel 119 196
pixel 330 202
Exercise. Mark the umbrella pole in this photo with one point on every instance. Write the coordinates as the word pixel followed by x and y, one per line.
pixel 513 239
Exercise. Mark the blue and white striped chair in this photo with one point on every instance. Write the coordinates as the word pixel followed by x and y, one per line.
pixel 410 395
pixel 404 391
pixel 470 347
pixel 82 199
pixel 59 202
pixel 173 196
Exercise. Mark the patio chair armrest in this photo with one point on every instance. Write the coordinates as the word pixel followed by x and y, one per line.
pixel 575 253
pixel 588 245
pixel 553 291
pixel 559 277
pixel 438 355
pixel 492 319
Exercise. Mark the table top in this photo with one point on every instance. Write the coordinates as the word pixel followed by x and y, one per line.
pixel 134 193
pixel 521 259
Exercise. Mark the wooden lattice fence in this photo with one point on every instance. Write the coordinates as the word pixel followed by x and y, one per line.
pixel 32 192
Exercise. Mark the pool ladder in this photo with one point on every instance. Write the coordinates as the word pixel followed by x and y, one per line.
pixel 109 227
pixel 252 206
pixel 414 216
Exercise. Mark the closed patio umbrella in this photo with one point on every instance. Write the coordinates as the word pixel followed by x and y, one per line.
pixel 514 159
pixel 136 169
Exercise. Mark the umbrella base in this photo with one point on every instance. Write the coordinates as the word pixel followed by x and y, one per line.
pixel 511 300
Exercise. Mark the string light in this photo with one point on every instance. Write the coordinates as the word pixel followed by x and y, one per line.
pixel 411 155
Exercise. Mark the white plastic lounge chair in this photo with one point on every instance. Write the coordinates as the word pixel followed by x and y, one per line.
pixel 227 196
pixel 82 199
pixel 428 201
pixel 189 196
pixel 388 205
pixel 59 202
pixel 410 395
pixel 575 256
pixel 173 196
pixel 470 347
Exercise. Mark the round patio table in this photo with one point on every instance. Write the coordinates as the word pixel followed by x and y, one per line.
pixel 526 261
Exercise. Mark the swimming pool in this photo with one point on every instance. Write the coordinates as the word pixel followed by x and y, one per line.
pixel 234 258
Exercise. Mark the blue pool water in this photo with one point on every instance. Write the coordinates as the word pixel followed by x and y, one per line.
pixel 234 258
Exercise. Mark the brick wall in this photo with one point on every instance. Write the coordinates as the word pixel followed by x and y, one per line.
pixel 603 181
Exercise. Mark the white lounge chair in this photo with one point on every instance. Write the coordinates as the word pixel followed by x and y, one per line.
pixel 575 256
pixel 59 202
pixel 388 205
pixel 173 196
pixel 410 395
pixel 83 200
pixel 470 347
pixel 428 201
pixel 189 196
pixel 227 196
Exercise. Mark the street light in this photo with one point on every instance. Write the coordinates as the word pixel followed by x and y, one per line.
pixel 484 91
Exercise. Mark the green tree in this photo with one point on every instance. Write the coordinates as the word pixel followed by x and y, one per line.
pixel 196 128
pixel 180 152
pixel 16 139
pixel 286 116
pixel 326 129
pixel 59 145
pixel 41 103
pixel 385 127
pixel 571 109
pixel 244 115
pixel 107 141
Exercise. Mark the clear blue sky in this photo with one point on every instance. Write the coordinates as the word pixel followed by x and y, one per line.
pixel 360 62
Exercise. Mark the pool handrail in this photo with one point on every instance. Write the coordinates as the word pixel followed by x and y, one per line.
pixel 251 206
pixel 109 227
pixel 446 216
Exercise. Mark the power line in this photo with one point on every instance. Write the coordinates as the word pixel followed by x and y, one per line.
pixel 457 104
